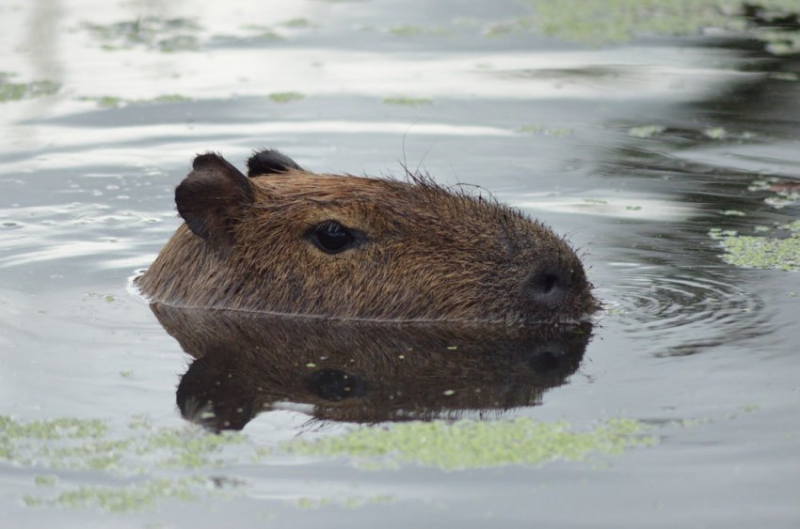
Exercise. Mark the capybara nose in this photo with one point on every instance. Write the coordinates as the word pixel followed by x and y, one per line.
pixel 549 286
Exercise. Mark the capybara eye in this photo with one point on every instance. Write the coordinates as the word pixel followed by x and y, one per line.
pixel 331 237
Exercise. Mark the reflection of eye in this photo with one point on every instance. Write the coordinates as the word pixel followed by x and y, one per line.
pixel 335 385
pixel 331 237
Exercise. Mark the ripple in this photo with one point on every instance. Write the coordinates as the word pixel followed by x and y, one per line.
pixel 682 314
pixel 92 234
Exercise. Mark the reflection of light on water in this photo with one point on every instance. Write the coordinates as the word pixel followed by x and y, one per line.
pixel 774 158
pixel 37 234
pixel 625 207
pixel 124 145
pixel 59 251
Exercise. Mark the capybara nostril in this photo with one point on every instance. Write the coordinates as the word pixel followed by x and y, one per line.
pixel 548 286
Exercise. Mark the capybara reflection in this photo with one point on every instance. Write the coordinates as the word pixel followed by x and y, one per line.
pixel 283 240
pixel 246 363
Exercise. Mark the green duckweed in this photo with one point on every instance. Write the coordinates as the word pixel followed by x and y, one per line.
pixel 762 251
pixel 610 21
pixel 286 97
pixel 469 444
pixel 17 91
pixel 408 101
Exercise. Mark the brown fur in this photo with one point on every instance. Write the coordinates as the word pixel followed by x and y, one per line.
pixel 431 254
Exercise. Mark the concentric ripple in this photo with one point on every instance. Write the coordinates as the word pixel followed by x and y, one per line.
pixel 681 314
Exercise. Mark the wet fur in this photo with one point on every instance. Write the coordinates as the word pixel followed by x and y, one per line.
pixel 431 254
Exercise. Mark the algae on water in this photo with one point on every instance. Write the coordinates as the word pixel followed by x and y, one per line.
pixel 16 91
pixel 779 252
pixel 408 101
pixel 471 444
pixel 146 464
pixel 611 21
pixel 141 461
pixel 286 97
pixel 165 35
pixel 114 102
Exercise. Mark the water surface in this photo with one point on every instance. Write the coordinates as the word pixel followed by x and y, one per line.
pixel 636 151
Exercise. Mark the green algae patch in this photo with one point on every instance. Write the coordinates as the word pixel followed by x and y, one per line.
pixel 297 23
pixel 115 102
pixel 286 97
pixel 153 33
pixel 470 444
pixel 151 456
pixel 407 101
pixel 786 192
pixel 716 133
pixel 45 480
pixel 17 91
pixel 11 430
pixel 168 98
pixel 121 499
pixel 415 31
pixel 601 22
pixel 352 502
pixel 406 31
pixel 779 251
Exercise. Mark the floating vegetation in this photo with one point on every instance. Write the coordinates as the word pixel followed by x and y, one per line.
pixel 79 444
pixel 121 499
pixel 297 23
pixel 286 97
pixel 787 192
pixel 257 32
pixel 501 29
pixel 406 31
pixel 145 465
pixel 611 21
pixel 165 35
pixel 414 31
pixel 348 502
pixel 15 91
pixel 779 251
pixel 114 102
pixel 409 101
pixel 715 133
pixel 471 444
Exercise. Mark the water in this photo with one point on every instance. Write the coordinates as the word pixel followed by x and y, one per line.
pixel 701 350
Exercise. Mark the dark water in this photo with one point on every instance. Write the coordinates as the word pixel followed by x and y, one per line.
pixel 703 351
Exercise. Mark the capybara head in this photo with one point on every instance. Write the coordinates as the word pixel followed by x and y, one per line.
pixel 286 241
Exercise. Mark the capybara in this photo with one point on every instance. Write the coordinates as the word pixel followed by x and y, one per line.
pixel 246 363
pixel 283 240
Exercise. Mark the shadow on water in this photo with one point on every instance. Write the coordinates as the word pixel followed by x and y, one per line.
pixel 246 363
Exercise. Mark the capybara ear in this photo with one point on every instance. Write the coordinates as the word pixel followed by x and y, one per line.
pixel 270 161
pixel 210 199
